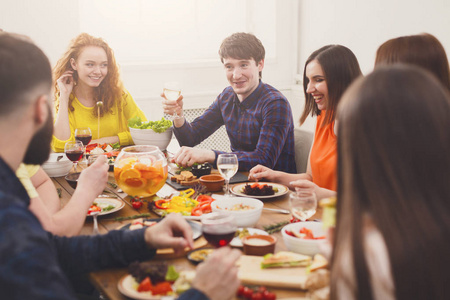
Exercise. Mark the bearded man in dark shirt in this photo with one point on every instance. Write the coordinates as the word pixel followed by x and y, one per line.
pixel 34 264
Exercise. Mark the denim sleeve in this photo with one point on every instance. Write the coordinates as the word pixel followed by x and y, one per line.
pixel 193 294
pixel 28 263
pixel 83 254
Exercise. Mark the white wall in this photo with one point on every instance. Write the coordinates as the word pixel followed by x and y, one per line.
pixel 53 23
pixel 363 25
pixel 302 27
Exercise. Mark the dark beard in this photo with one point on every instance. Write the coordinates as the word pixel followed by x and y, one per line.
pixel 38 150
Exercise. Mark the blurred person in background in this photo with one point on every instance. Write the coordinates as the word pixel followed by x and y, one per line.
pixel 38 265
pixel 423 50
pixel 392 234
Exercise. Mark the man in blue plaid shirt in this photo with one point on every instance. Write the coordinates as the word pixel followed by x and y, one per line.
pixel 257 117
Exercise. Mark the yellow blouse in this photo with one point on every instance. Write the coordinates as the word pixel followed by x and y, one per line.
pixel 111 124
pixel 24 173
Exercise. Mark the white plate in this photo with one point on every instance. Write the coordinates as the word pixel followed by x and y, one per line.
pixel 127 285
pixel 236 242
pixel 282 189
pixel 103 202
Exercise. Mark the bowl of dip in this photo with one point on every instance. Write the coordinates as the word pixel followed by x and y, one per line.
pixel 259 245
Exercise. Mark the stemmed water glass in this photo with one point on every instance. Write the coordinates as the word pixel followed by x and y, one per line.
pixel 83 135
pixel 218 228
pixel 172 91
pixel 228 165
pixel 303 204
pixel 74 152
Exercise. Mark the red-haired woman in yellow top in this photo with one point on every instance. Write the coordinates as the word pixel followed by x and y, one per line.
pixel 88 82
pixel 328 72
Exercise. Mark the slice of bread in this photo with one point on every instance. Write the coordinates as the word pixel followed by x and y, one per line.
pixel 285 259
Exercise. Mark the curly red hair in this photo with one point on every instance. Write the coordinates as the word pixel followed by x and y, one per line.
pixel 111 88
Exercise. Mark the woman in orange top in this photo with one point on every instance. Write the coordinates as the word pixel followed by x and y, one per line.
pixel 327 74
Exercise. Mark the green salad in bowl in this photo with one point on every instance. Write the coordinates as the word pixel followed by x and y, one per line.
pixel 156 133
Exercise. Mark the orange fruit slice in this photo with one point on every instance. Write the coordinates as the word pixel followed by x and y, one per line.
pixel 126 161
pixel 130 173
pixel 142 167
pixel 135 182
pixel 151 173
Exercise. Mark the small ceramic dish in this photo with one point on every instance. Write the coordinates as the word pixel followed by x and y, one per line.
pixel 213 183
pixel 259 245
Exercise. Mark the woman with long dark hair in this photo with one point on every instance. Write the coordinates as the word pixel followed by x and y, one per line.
pixel 393 227
pixel 328 72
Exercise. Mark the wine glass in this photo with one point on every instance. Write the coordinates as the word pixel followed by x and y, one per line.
pixel 172 91
pixel 74 152
pixel 303 204
pixel 228 165
pixel 83 135
pixel 218 228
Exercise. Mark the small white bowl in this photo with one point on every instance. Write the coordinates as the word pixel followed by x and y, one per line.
pixel 302 246
pixel 149 137
pixel 55 168
pixel 244 218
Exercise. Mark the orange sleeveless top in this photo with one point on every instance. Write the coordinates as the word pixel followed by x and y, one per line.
pixel 323 157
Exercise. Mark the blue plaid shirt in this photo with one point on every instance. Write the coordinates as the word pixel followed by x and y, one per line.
pixel 37 265
pixel 260 128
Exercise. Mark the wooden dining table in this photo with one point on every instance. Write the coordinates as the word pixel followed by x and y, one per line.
pixel 106 281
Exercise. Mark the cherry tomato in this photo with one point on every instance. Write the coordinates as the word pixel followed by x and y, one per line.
pixel 145 285
pixel 196 211
pixel 257 296
pixel 269 296
pixel 248 292
pixel 203 198
pixel 205 207
pixel 262 289
pixel 294 220
pixel 94 208
pixel 288 232
pixel 137 204
pixel 162 288
pixel 240 291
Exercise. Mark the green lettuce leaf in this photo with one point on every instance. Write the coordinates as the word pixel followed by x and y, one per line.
pixel 157 126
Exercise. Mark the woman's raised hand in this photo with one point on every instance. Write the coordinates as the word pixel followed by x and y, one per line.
pixel 65 84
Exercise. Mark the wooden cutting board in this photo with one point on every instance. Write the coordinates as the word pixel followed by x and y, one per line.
pixel 250 272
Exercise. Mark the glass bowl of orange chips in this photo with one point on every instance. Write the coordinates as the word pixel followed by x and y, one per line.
pixel 140 170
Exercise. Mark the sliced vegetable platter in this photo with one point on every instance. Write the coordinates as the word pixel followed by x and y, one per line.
pixel 190 206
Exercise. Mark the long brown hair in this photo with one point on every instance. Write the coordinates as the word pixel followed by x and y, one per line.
pixel 111 88
pixel 423 50
pixel 394 166
pixel 340 68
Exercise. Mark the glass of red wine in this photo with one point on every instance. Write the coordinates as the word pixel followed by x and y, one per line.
pixel 83 135
pixel 74 152
pixel 218 228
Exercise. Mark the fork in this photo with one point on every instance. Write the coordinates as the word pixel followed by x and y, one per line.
pixel 94 216
pixel 283 211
